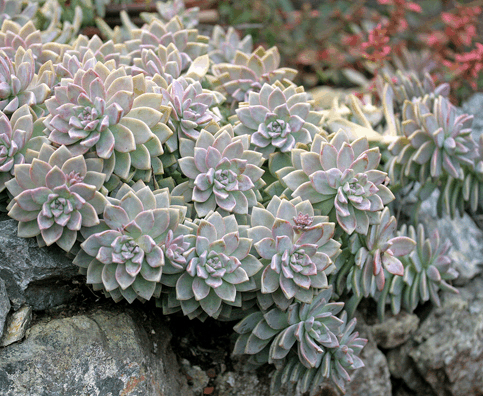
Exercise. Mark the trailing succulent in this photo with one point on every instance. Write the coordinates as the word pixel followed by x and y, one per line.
pixel 308 343
pixel 191 171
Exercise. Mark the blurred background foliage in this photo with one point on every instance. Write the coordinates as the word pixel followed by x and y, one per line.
pixel 336 43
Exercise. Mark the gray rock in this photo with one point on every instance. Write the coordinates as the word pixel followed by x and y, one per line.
pixel 465 236
pixel 248 383
pixel 39 277
pixel 373 379
pixel 241 383
pixel 17 325
pixel 4 306
pixel 395 331
pixel 474 105
pixel 402 392
pixel 449 354
pixel 99 353
pixel 401 366
pixel 196 375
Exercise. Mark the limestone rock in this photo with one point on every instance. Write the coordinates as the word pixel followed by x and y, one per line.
pixel 402 367
pixel 39 277
pixel 450 351
pixel 99 353
pixel 395 331
pixel 4 306
pixel 195 375
pixel 373 379
pixel 17 325
pixel 241 383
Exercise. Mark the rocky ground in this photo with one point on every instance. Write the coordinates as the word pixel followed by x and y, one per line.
pixel 57 337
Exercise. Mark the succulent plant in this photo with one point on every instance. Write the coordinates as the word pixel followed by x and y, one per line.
pixel 13 36
pixel 219 267
pixel 223 45
pixel 223 173
pixel 343 179
pixel 308 328
pixel 70 64
pixel 19 84
pixel 375 255
pixel 188 42
pixel 295 247
pixel 334 365
pixel 165 61
pixel 16 137
pixel 472 189
pixel 407 86
pixel 249 72
pixel 96 111
pixel 88 107
pixel 433 142
pixel 277 119
pixel 427 270
pixel 420 62
pixel 52 28
pixel 84 48
pixel 56 195
pixel 167 10
pixel 124 255
pixel 253 206
pixel 14 10
pixel 190 106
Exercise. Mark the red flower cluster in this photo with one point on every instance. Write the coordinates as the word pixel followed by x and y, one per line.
pixel 461 25
pixel 397 18
pixel 468 65
pixel 376 48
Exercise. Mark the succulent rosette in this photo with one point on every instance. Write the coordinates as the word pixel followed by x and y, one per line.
pixel 335 364
pixel 70 64
pixel 190 106
pixel 83 48
pixel 16 137
pixel 124 254
pixel 17 11
pixel 277 118
pixel 223 173
pixel 376 254
pixel 84 111
pixel 18 83
pixel 427 269
pixel 408 86
pixel 189 43
pixel 97 111
pixel 55 25
pixel 343 179
pixel 13 36
pixel 166 11
pixel 219 267
pixel 308 328
pixel 165 61
pixel 433 142
pixel 248 72
pixel 56 195
pixel 296 248
pixel 223 45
